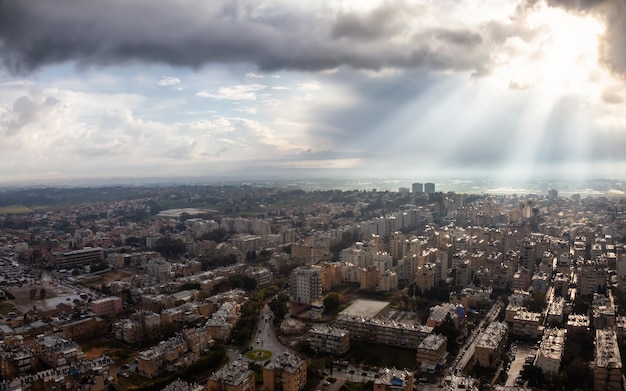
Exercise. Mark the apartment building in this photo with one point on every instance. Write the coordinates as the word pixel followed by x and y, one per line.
pixel 431 351
pixel 551 350
pixel 439 313
pixel 577 321
pixel 328 339
pixel 425 277
pixel 234 376
pixel 285 372
pixel 491 343
pixel 383 331
pixel 56 351
pixel 555 310
pixel 305 284
pixel 223 320
pixel 608 368
pixel 181 385
pixel 98 374
pixel 526 324
pixel 107 306
pixel 16 357
pixel 394 380
pixel 387 281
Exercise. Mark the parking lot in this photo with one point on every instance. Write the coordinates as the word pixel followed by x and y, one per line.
pixel 517 364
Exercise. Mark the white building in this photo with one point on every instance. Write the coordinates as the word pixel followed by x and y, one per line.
pixel 305 284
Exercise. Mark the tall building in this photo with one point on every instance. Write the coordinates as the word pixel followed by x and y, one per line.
pixel 417 187
pixel 553 195
pixel 429 188
pixel 305 284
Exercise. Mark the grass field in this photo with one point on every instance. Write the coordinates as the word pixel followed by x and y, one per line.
pixel 14 209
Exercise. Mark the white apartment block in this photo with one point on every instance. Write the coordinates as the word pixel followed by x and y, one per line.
pixel 551 351
pixel 305 284
pixel 491 344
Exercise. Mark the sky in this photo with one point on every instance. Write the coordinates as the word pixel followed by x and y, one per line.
pixel 408 88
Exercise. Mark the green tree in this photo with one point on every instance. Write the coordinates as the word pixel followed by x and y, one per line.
pixel 331 302
pixel 448 329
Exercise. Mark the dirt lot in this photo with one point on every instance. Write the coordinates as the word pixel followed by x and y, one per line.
pixel 106 278
pixel 53 296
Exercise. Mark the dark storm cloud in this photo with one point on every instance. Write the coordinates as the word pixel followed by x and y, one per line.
pixel 375 24
pixel 37 33
pixel 613 14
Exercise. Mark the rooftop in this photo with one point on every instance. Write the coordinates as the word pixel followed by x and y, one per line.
pixel 365 308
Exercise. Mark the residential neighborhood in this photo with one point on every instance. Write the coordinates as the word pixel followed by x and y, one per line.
pixel 266 288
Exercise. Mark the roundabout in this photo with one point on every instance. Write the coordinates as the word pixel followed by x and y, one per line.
pixel 259 355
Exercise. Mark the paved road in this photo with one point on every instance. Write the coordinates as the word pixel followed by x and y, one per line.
pixel 466 353
pixel 263 338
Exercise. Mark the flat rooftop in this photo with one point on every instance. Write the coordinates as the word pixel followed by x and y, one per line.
pixel 366 308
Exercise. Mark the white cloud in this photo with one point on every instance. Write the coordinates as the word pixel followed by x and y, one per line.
pixel 252 75
pixel 168 81
pixel 238 92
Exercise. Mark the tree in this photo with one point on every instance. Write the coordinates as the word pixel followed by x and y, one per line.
pixel 534 375
pixel 448 329
pixel 331 302
pixel 170 247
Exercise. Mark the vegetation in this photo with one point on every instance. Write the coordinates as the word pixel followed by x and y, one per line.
pixel 279 307
pixel 380 355
pixel 331 302
pixel 6 307
pixel 259 355
pixel 448 329
pixel 250 312
pixel 14 210
pixel 354 386
pixel 170 247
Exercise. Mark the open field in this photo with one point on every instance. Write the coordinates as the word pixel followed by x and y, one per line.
pixel 119 352
pixel 14 209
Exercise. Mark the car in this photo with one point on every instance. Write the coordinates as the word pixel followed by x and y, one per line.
pixel 125 374
pixel 326 383
pixel 239 356
pixel 519 381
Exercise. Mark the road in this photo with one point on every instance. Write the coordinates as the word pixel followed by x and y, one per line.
pixel 264 337
pixel 466 353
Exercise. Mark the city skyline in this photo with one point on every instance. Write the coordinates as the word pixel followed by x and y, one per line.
pixel 411 89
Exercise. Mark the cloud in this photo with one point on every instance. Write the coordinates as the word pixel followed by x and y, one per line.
pixel 238 92
pixel 252 75
pixel 270 35
pixel 26 110
pixel 168 81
